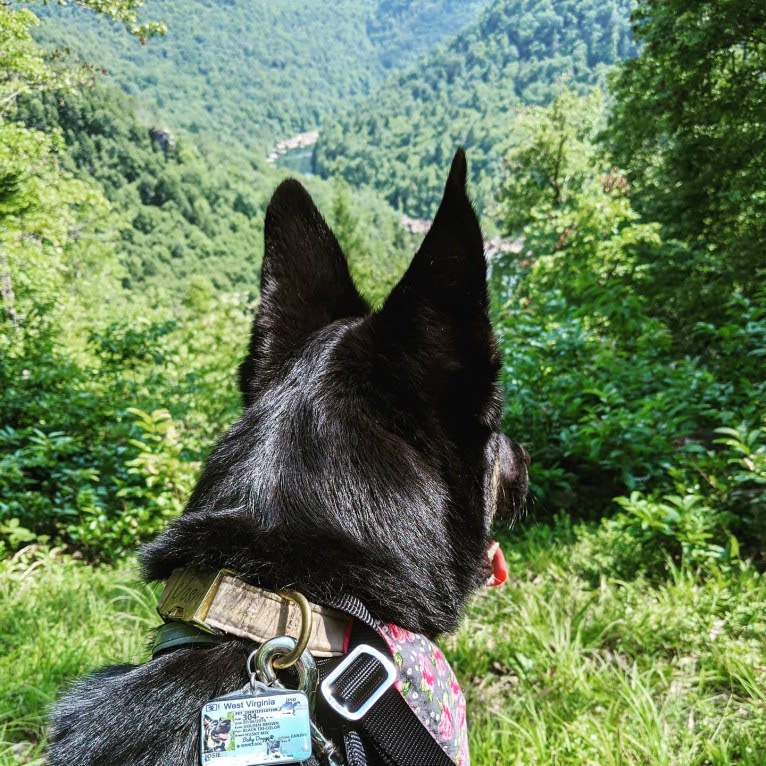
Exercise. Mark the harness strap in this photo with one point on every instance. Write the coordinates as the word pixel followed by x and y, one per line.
pixel 352 744
pixel 390 728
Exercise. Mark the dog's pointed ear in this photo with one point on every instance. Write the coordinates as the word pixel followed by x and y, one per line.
pixel 436 319
pixel 305 283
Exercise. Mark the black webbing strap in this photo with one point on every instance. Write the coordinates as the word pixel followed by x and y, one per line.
pixel 390 729
pixel 352 744
pixel 397 735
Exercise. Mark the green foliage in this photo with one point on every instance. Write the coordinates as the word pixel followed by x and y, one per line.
pixel 125 12
pixel 588 385
pixel 377 247
pixel 595 381
pixel 402 30
pixel 597 416
pixel 287 65
pixel 24 67
pixel 675 525
pixel 687 125
pixel 745 483
pixel 179 211
pixel 80 464
pixel 552 159
pixel 165 478
pixel 192 215
pixel 709 518
pixel 467 92
pixel 45 237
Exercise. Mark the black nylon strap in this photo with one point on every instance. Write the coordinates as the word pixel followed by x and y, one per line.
pixel 398 736
pixel 355 755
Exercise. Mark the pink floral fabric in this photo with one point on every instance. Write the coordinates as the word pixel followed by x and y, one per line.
pixel 429 687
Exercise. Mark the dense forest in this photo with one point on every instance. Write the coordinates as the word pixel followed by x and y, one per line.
pixel 278 76
pixel 401 30
pixel 468 92
pixel 617 152
pixel 189 212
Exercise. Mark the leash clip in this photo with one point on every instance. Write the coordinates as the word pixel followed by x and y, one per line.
pixel 361 668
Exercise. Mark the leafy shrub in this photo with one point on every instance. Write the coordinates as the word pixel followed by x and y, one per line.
pixel 714 516
pixel 80 463
pixel 608 396
pixel 149 489
pixel 681 527
pixel 597 416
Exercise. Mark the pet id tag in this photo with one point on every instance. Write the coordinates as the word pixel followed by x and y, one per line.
pixel 255 726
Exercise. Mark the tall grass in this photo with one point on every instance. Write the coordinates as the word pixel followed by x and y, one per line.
pixel 559 667
pixel 59 619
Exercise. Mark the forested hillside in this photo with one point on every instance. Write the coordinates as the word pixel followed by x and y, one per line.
pixel 255 72
pixel 184 210
pixel 519 52
pixel 401 30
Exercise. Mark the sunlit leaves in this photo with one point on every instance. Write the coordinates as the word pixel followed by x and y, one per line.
pixel 687 126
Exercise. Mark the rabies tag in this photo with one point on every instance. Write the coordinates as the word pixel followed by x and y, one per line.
pixel 251 729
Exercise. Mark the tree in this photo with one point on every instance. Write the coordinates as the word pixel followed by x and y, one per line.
pixel 688 127
pixel 582 237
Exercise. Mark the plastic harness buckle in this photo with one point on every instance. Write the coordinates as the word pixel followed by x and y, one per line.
pixel 363 677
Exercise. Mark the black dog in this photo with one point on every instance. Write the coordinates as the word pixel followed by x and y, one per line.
pixel 367 461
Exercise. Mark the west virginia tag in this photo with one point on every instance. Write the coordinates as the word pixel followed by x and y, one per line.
pixel 251 729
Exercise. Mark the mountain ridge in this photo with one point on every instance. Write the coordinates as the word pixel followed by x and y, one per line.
pixel 466 91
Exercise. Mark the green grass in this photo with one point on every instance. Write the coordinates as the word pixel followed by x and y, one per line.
pixel 561 666
pixel 59 619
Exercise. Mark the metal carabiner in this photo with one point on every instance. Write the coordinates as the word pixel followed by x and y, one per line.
pixel 261 664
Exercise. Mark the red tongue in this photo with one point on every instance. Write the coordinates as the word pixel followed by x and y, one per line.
pixel 499 569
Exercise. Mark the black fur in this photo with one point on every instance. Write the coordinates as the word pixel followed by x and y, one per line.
pixel 367 461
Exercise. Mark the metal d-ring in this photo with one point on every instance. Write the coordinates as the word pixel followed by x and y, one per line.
pixel 260 666
pixel 289 659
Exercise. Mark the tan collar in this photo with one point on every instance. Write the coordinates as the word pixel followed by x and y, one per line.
pixel 219 602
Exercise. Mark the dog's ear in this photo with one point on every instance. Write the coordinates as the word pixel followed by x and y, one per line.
pixel 305 284
pixel 436 319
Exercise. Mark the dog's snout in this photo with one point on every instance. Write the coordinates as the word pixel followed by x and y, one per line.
pixel 512 462
pixel 513 458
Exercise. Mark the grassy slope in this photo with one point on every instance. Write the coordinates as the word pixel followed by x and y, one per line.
pixel 559 667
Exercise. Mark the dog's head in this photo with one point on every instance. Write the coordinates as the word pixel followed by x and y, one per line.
pixel 368 458
pixel 216 732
